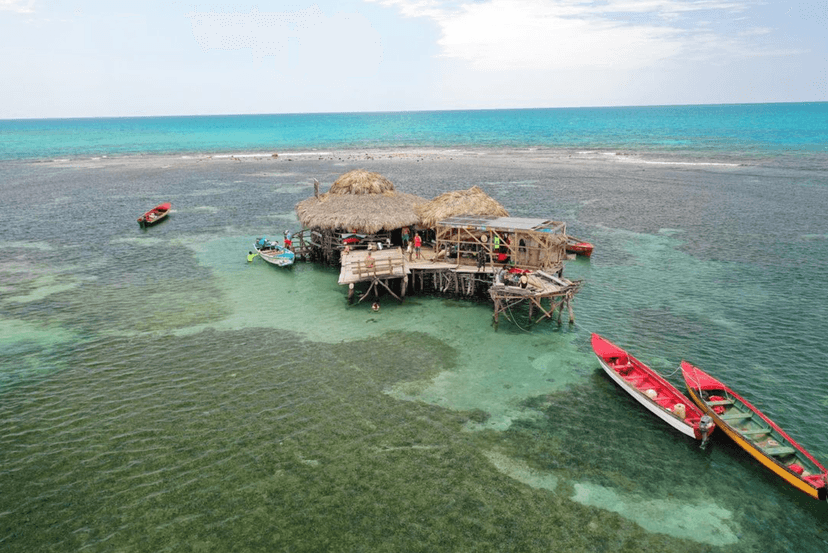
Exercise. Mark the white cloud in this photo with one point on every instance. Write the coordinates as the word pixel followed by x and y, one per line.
pixel 492 37
pixel 566 34
pixel 19 6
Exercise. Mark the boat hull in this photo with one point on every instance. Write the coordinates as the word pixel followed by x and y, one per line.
pixel 682 427
pixel 279 260
pixel 154 215
pixel 580 248
pixel 641 379
pixel 276 255
pixel 750 416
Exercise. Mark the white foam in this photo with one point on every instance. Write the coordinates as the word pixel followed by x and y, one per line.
pixel 229 156
pixel 265 154
pixel 700 163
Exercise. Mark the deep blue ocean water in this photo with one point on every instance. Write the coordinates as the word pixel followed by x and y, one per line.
pixel 158 392
pixel 727 130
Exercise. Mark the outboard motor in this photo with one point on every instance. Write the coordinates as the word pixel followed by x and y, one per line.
pixel 706 426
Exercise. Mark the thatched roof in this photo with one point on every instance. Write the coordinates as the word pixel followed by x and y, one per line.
pixel 459 202
pixel 360 200
pixel 360 181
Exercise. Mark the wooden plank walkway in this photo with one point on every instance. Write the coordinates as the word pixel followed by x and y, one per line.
pixel 386 264
pixel 394 263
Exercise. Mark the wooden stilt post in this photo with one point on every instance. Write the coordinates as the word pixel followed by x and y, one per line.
pixel 571 314
pixel 403 286
pixel 387 287
pixel 351 293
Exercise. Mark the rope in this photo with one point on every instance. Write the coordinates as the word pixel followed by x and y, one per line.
pixel 667 375
pixel 512 318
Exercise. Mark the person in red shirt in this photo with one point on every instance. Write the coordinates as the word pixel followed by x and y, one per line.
pixel 418 242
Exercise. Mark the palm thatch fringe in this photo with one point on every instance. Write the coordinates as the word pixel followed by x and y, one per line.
pixel 459 202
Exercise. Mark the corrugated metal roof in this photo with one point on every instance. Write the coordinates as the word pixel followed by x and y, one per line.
pixel 504 223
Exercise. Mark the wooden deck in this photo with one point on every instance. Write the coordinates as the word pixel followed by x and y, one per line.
pixel 393 268
pixel 395 263
pixel 387 264
pixel 540 286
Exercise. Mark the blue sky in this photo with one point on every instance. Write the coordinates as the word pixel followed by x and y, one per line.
pixel 88 58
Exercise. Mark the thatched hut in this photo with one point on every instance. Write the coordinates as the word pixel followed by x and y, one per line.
pixel 474 228
pixel 471 202
pixel 359 203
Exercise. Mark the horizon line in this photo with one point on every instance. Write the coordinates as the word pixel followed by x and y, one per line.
pixel 404 111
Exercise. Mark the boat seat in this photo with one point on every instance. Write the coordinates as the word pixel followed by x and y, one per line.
pixel 780 450
pixel 720 402
pixel 736 416
pixel 755 432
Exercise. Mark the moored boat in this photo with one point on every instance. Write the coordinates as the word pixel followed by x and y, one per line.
pixel 579 247
pixel 273 253
pixel 651 390
pixel 155 214
pixel 756 433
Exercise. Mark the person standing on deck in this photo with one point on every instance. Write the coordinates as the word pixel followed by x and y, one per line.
pixel 370 263
pixel 418 242
pixel 406 236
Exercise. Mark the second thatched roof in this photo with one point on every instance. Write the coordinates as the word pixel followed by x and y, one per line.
pixel 360 200
pixel 459 202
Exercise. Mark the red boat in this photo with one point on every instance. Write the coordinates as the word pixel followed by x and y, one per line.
pixel 652 391
pixel 756 433
pixel 573 245
pixel 154 215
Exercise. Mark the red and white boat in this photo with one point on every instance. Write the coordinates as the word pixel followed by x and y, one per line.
pixel 652 391
pixel 756 433
pixel 579 247
pixel 155 214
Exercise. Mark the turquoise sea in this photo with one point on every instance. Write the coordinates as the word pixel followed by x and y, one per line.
pixel 160 393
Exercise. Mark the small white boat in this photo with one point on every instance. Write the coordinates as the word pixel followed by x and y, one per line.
pixel 652 391
pixel 273 253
